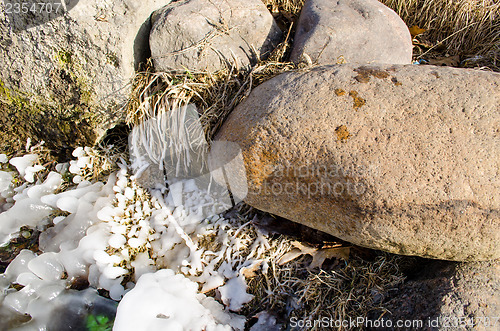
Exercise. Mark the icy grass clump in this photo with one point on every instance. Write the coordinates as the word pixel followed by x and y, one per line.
pixel 116 233
pixel 168 301
pixel 25 166
pixel 174 142
pixel 234 294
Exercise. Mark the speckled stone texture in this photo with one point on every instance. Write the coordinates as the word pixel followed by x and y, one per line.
pixel 399 158
pixel 80 62
pixel 446 296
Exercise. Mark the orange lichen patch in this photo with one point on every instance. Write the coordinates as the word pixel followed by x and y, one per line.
pixel 358 101
pixel 396 82
pixel 362 78
pixel 364 74
pixel 339 92
pixel 342 133
pixel 259 164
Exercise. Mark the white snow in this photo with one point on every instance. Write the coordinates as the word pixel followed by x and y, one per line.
pixel 79 152
pixel 28 208
pixel 266 322
pixel 31 171
pixel 25 167
pixel 117 240
pixel 19 265
pixel 69 204
pixel 168 301
pixel 47 267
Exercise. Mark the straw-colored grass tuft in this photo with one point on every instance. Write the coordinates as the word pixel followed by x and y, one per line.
pixel 340 291
pixel 463 27
pixel 350 291
pixel 288 7
pixel 215 94
pixel 467 28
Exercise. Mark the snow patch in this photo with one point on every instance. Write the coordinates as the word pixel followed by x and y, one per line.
pixel 167 301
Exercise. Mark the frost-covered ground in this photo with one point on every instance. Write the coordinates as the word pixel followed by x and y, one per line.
pixel 153 251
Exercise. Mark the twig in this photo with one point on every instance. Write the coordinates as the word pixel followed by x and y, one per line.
pixel 451 35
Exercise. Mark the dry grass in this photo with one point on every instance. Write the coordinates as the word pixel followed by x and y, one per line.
pixel 103 161
pixel 215 94
pixel 287 7
pixel 464 27
pixel 456 27
pixel 340 291
pixel 350 291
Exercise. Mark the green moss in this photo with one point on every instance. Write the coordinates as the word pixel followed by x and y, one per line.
pixel 62 127
pixel 63 117
pixel 86 91
pixel 99 323
pixel 12 97
pixel 65 58
pixel 4 92
pixel 69 64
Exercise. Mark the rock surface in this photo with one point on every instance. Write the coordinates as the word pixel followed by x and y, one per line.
pixel 354 31
pixel 204 35
pixel 448 296
pixel 70 74
pixel 399 158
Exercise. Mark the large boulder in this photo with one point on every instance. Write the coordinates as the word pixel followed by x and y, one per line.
pixel 207 35
pixel 399 158
pixel 66 79
pixel 352 31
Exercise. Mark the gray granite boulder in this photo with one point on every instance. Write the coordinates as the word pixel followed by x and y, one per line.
pixel 399 158
pixel 66 79
pixel 352 31
pixel 205 35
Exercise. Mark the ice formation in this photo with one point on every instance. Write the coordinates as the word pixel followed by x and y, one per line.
pixel 115 234
pixel 168 301
pixel 26 205
pixel 25 167
pixel 234 294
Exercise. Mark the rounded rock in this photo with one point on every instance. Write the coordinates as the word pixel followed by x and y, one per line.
pixel 351 31
pixel 399 158
pixel 203 35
